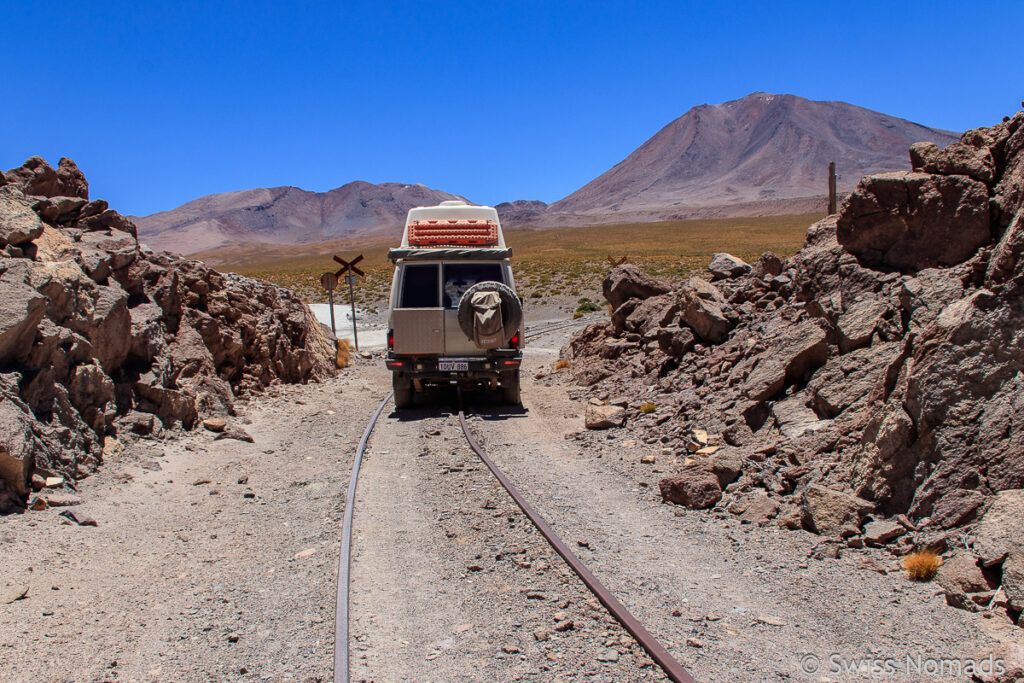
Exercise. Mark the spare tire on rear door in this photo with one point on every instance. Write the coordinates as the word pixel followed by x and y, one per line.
pixel 490 314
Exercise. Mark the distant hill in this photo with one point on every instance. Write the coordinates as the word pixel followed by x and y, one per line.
pixel 760 155
pixel 761 148
pixel 285 215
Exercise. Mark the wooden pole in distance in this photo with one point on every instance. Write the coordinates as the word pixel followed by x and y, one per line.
pixel 831 187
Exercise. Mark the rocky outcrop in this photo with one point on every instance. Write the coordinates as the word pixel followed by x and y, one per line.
pixel 725 265
pixel 910 221
pixel 872 384
pixel 629 282
pixel 96 331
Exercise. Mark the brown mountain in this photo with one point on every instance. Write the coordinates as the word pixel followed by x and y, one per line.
pixel 759 155
pixel 284 215
pixel 754 151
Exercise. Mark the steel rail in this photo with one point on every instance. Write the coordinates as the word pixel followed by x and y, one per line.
pixel 658 653
pixel 341 611
pixel 555 327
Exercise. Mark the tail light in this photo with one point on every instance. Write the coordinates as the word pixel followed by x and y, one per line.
pixel 514 341
pixel 391 340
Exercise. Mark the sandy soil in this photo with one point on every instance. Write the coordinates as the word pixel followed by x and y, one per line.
pixel 216 559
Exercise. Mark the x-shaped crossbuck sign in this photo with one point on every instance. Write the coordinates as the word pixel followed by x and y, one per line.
pixel 614 263
pixel 349 265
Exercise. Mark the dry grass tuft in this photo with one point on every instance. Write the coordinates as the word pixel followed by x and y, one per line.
pixel 562 364
pixel 921 565
pixel 647 408
pixel 344 355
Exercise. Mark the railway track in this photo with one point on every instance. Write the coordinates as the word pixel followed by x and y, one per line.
pixel 657 652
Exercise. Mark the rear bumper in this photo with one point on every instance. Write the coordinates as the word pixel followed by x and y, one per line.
pixel 427 368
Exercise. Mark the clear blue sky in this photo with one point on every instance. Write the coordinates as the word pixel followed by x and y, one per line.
pixel 161 102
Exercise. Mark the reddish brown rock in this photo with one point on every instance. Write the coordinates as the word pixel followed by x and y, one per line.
pixel 696 487
pixel 914 220
pixel 629 282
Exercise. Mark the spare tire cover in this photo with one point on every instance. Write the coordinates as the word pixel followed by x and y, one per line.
pixel 511 314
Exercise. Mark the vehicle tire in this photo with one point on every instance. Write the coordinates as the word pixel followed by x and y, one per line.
pixel 404 391
pixel 510 388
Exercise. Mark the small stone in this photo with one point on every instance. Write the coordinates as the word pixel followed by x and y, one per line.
pixel 53 482
pixel 564 625
pixel 79 518
pixel 215 424
pixel 693 642
pixel 609 655
pixel 39 503
pixel 232 637
pixel 510 649
pixel 244 479
pixel 235 433
pixel 474 568
pixel 304 553
pixel 647 459
pixel 541 634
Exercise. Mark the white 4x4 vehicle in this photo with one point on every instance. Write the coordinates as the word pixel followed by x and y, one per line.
pixel 454 316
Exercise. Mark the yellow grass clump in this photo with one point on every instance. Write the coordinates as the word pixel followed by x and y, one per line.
pixel 562 364
pixel 921 565
pixel 647 407
pixel 344 355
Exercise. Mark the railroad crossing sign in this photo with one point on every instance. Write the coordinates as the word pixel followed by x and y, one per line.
pixel 616 264
pixel 349 266
pixel 330 281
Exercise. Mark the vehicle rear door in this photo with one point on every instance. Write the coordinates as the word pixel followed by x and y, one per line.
pixel 418 320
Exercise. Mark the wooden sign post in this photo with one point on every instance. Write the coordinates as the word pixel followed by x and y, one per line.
pixel 329 282
pixel 348 268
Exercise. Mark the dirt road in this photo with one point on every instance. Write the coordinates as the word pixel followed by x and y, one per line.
pixel 216 560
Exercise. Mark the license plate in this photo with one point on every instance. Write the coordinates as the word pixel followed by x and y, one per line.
pixel 453 366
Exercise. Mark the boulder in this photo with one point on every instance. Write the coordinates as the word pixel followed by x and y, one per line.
pixel 38 178
pixel 696 487
pixel 956 159
pixel 963 573
pixel 1006 261
pixel 755 508
pixel 881 531
pixel 676 341
pixel 960 576
pixel 768 266
pixel 798 350
pixel 725 265
pixel 912 221
pixel 924 296
pixel 706 310
pixel 1001 529
pixel 18 445
pixel 829 512
pixel 604 416
pixel 19 224
pixel 652 313
pixel 1013 578
pixel 794 417
pixel 857 325
pixel 629 282
pixel 726 466
pixel 59 210
pixel 21 309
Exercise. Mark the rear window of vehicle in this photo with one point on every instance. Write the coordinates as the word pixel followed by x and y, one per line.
pixel 419 286
pixel 458 277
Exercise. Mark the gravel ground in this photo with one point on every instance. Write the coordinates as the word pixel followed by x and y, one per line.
pixel 216 559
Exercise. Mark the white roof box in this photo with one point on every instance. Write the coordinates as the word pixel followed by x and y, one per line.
pixel 453 223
